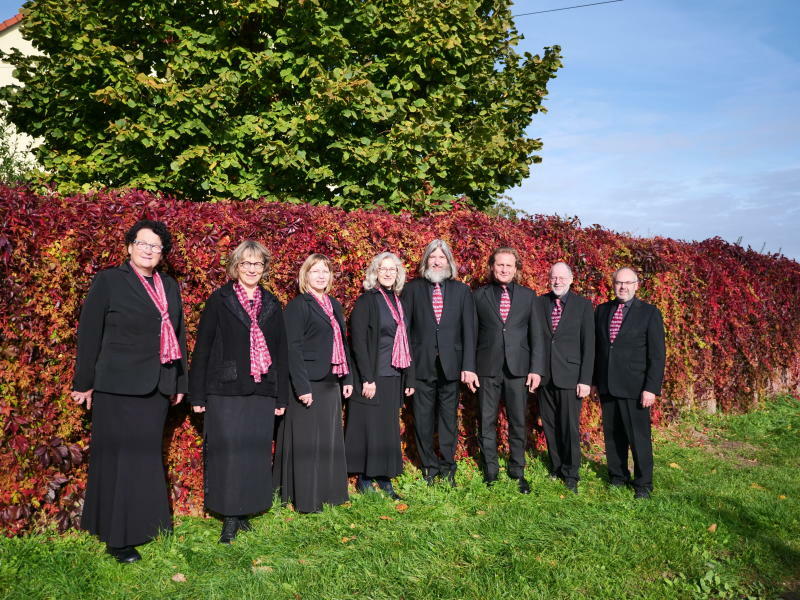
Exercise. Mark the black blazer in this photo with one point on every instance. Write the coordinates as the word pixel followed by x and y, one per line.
pixel 635 361
pixel 310 337
pixel 221 358
pixel 569 353
pixel 365 334
pixel 452 339
pixel 518 342
pixel 119 337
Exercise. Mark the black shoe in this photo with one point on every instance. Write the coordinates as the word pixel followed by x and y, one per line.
pixel 429 476
pixel 364 484
pixel 524 487
pixel 490 480
pixel 572 485
pixel 554 476
pixel 124 554
pixel 642 494
pixel 244 524
pixel 450 478
pixel 386 487
pixel 230 527
pixel 620 483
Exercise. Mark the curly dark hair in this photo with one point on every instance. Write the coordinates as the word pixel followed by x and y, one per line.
pixel 156 227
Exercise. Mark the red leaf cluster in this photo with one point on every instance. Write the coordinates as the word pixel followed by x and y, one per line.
pixel 733 328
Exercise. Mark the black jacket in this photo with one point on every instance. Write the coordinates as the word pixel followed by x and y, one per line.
pixel 635 361
pixel 452 339
pixel 221 358
pixel 364 334
pixel 569 353
pixel 310 337
pixel 518 342
pixel 119 337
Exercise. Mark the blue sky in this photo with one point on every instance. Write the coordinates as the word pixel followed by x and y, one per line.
pixel 670 117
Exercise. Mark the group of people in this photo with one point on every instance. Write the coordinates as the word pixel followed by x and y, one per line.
pixel 254 361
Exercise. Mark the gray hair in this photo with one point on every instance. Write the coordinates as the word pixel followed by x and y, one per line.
pixel 448 253
pixel 371 276
pixel 237 255
pixel 561 262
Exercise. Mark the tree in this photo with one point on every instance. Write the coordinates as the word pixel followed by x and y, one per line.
pixel 394 103
pixel 17 164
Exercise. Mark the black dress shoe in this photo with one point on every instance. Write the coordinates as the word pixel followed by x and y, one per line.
pixel 490 480
pixel 450 478
pixel 524 487
pixel 244 524
pixel 230 527
pixel 386 486
pixel 364 484
pixel 642 494
pixel 124 554
pixel 429 476
pixel 572 485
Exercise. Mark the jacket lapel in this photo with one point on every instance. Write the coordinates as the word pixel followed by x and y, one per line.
pixel 566 311
pixel 488 296
pixel 267 306
pixel 232 304
pixel 316 307
pixel 133 281
pixel 633 313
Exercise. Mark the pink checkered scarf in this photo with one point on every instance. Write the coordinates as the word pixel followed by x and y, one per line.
pixel 260 359
pixel 169 349
pixel 338 357
pixel 401 355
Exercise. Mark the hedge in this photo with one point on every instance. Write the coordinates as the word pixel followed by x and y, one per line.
pixel 733 328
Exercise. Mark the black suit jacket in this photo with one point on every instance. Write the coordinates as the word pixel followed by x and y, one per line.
pixel 119 337
pixel 221 358
pixel 310 337
pixel 635 361
pixel 452 339
pixel 364 335
pixel 569 352
pixel 518 342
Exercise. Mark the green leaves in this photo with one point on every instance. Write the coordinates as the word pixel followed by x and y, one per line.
pixel 386 103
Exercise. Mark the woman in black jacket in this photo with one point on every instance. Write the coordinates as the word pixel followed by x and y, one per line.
pixel 131 365
pixel 310 466
pixel 384 374
pixel 240 380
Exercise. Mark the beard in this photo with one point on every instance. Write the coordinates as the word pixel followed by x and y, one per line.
pixel 438 276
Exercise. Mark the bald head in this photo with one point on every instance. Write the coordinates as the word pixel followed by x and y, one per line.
pixel 626 282
pixel 560 278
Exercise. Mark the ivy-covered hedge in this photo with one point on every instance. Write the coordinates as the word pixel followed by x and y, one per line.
pixel 733 327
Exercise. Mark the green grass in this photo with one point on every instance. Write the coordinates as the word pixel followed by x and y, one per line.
pixel 739 473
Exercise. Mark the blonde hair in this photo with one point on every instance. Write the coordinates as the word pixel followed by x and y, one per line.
pixel 237 256
pixel 371 276
pixel 302 276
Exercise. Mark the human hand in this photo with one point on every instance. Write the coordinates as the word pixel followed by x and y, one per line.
pixel 582 390
pixel 648 398
pixel 409 391
pixel 280 411
pixel 199 409
pixel 176 399
pixel 306 399
pixel 368 389
pixel 534 379
pixel 81 397
pixel 347 391
pixel 471 380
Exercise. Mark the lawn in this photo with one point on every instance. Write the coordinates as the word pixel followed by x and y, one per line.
pixel 723 522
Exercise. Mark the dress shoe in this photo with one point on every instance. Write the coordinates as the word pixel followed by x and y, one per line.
pixel 572 485
pixel 524 486
pixel 244 524
pixel 364 484
pixel 386 486
pixel 642 494
pixel 124 554
pixel 490 480
pixel 450 478
pixel 230 527
pixel 554 476
pixel 429 476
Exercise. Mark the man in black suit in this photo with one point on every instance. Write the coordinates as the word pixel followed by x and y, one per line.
pixel 509 358
pixel 441 329
pixel 569 358
pixel 628 373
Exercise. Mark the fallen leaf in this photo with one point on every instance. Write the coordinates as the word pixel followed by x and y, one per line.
pixel 712 528
pixel 480 512
pixel 782 497
pixel 755 486
pixel 713 470
pixel 385 518
pixel 346 539
pixel 675 466
pixel 262 569
pixel 476 536
pixel 401 507
pixel 179 578
pixel 302 561
pixel 287 519
pixel 562 496
pixel 352 525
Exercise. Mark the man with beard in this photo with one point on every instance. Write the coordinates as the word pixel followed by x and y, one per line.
pixel 569 346
pixel 441 329
pixel 628 372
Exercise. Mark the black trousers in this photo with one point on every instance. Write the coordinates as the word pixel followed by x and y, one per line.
pixel 438 397
pixel 560 410
pixel 626 424
pixel 515 393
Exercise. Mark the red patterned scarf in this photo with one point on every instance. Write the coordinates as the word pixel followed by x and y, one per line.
pixel 338 357
pixel 169 348
pixel 260 359
pixel 401 355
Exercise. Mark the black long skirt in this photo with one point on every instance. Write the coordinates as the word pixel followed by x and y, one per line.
pixel 126 492
pixel 372 439
pixel 238 454
pixel 310 466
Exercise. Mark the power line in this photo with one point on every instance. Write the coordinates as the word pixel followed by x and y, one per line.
pixel 538 12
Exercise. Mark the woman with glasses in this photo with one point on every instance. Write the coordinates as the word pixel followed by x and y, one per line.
pixel 131 366
pixel 310 466
pixel 240 380
pixel 384 374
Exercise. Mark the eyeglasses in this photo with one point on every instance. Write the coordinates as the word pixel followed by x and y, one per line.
pixel 154 248
pixel 625 282
pixel 387 269
pixel 256 266
pixel 559 279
